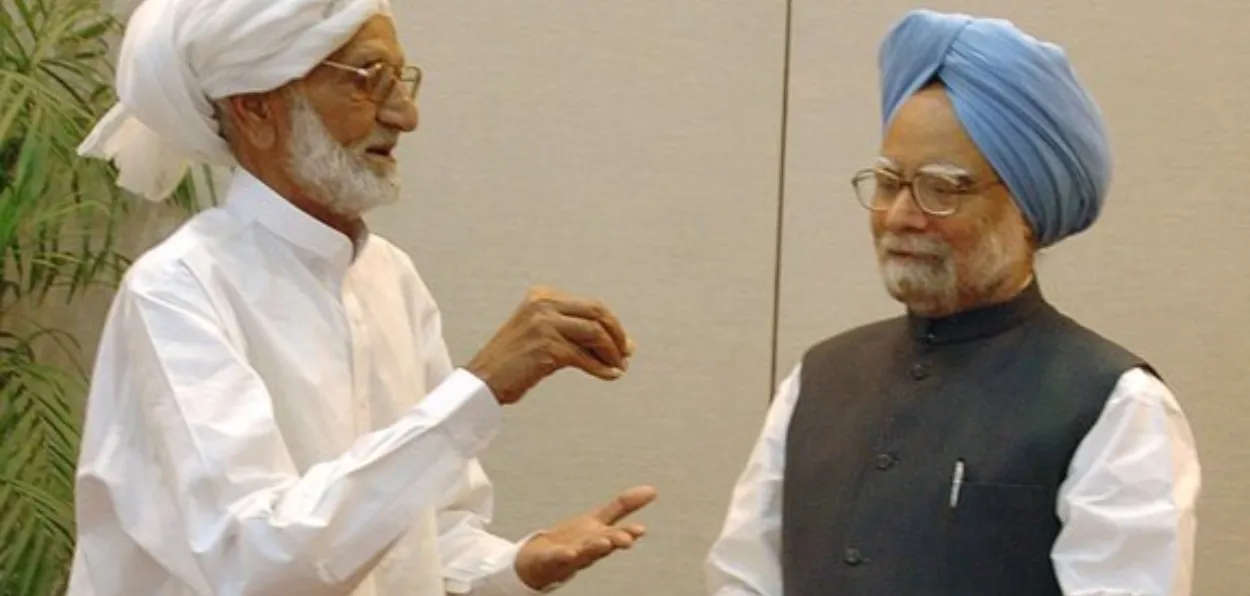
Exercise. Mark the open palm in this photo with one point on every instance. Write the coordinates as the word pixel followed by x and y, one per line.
pixel 553 556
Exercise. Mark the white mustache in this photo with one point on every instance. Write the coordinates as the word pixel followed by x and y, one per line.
pixel 377 138
pixel 915 244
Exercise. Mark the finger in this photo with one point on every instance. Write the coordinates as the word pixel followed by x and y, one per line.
pixel 592 337
pixel 625 503
pixel 581 359
pixel 593 550
pixel 635 530
pixel 595 310
pixel 620 538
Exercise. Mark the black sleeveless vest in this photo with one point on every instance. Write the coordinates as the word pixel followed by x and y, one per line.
pixel 888 413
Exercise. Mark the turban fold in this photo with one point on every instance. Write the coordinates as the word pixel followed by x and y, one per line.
pixel 178 56
pixel 1020 102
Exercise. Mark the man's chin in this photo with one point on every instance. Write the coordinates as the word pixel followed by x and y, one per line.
pixel 382 166
pixel 373 205
pixel 359 206
pixel 923 304
pixel 919 291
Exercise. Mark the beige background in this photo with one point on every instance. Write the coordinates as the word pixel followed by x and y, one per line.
pixel 633 150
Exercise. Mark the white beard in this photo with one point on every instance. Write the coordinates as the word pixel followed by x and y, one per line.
pixel 343 179
pixel 934 285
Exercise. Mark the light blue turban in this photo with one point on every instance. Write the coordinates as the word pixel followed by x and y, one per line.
pixel 1020 102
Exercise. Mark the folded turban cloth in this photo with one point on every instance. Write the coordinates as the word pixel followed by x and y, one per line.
pixel 1020 102
pixel 178 56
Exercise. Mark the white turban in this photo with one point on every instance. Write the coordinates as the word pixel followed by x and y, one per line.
pixel 180 55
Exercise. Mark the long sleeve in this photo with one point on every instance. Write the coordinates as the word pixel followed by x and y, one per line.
pixel 1128 502
pixel 475 561
pixel 745 560
pixel 254 523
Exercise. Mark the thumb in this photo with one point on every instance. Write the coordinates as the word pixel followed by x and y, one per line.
pixel 625 503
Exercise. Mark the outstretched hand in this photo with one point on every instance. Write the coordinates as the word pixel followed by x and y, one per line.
pixel 555 555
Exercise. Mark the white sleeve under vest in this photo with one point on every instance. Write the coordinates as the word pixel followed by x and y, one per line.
pixel 1127 505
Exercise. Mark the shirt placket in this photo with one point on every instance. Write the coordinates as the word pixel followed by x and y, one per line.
pixel 360 351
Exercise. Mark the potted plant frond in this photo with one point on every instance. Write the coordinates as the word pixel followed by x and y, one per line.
pixel 60 221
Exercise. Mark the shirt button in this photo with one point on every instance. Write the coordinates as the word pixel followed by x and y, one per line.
pixel 885 461
pixel 919 371
pixel 853 557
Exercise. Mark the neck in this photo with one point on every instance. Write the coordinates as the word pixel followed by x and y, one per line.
pixel 350 226
pixel 280 181
pixel 999 293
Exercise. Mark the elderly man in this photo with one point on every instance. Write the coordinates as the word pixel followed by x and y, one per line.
pixel 983 443
pixel 273 409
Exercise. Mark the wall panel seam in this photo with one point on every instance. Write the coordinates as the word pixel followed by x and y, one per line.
pixel 781 201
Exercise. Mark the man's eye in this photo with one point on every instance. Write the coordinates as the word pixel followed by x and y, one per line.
pixel 939 185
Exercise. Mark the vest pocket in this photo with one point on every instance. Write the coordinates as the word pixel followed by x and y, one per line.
pixel 999 539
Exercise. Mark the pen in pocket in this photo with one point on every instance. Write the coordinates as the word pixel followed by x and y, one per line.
pixel 957 480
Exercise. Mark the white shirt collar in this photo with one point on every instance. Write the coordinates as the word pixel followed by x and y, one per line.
pixel 251 200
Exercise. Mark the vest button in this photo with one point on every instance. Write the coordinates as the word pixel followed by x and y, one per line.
pixel 919 371
pixel 885 461
pixel 853 557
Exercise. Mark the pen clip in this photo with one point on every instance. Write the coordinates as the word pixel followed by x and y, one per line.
pixel 957 481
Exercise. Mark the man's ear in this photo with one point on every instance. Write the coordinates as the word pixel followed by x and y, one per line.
pixel 1030 239
pixel 255 118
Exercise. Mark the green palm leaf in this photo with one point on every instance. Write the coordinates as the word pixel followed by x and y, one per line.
pixel 59 218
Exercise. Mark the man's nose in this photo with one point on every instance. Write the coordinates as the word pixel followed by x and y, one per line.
pixel 399 112
pixel 905 214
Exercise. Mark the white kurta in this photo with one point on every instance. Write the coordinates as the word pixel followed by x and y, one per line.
pixel 269 415
pixel 1127 504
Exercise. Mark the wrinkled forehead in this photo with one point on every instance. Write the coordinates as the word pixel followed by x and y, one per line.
pixel 375 41
pixel 927 134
